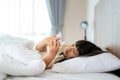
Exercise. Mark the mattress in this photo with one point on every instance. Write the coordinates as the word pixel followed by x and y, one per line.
pixel 49 75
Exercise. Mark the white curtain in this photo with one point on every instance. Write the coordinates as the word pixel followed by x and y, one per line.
pixel 24 18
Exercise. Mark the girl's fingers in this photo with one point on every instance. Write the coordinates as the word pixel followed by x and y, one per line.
pixel 54 37
pixel 58 45
pixel 50 43
pixel 54 43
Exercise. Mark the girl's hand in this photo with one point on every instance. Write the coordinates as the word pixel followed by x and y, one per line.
pixel 52 50
pixel 53 47
pixel 51 38
pixel 41 46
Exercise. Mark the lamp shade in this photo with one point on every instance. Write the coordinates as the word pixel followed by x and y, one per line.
pixel 84 25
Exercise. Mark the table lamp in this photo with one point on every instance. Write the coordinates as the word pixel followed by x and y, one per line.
pixel 84 26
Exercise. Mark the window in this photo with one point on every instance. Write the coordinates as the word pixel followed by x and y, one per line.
pixel 24 18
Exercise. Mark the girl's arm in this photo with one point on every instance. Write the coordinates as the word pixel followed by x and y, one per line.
pixel 41 46
pixel 53 48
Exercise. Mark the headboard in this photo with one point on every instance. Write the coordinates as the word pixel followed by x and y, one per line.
pixel 107 25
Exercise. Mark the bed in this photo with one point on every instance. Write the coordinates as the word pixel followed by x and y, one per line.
pixel 49 75
pixel 106 36
pixel 18 61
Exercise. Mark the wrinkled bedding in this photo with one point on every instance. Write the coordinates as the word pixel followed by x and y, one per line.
pixel 18 61
pixel 17 57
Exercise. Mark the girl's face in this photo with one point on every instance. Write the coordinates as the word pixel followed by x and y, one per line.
pixel 71 51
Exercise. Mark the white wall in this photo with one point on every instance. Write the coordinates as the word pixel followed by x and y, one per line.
pixel 76 11
pixel 90 31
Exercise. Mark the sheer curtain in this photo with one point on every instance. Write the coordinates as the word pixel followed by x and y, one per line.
pixel 24 18
pixel 56 12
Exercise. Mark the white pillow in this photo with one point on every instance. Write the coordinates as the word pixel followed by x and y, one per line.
pixel 19 60
pixel 100 63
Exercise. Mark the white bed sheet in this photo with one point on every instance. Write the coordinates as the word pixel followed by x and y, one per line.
pixel 2 76
pixel 49 75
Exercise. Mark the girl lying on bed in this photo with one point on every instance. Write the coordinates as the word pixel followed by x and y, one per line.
pixel 56 52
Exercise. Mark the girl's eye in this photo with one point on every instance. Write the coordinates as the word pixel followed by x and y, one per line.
pixel 75 53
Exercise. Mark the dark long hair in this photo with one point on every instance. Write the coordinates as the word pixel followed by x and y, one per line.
pixel 87 48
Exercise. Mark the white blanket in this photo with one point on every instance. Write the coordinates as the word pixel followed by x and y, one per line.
pixel 17 57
